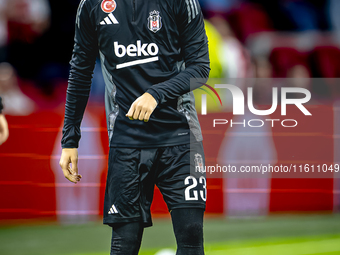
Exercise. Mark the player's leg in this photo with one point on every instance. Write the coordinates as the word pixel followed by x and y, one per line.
pixel 128 196
pixel 126 238
pixel 184 191
pixel 188 229
pixel 121 203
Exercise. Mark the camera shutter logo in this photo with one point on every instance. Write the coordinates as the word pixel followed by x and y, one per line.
pixel 204 97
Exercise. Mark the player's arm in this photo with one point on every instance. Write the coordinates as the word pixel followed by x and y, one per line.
pixel 78 90
pixel 3 126
pixel 194 47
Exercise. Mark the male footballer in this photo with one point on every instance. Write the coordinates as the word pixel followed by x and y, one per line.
pixel 149 51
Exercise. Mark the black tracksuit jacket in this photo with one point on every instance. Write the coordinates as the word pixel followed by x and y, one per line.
pixel 154 46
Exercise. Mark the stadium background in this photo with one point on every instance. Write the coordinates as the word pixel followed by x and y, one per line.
pixel 281 39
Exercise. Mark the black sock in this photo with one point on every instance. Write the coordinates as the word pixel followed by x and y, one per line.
pixel 188 229
pixel 126 238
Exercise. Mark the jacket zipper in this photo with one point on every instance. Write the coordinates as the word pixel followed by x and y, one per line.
pixel 133 10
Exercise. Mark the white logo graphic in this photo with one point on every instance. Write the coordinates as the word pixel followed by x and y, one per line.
pixel 113 210
pixel 239 101
pixel 199 162
pixel 109 20
pixel 154 21
pixel 136 50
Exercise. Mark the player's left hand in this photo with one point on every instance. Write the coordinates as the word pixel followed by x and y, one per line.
pixel 142 108
pixel 3 129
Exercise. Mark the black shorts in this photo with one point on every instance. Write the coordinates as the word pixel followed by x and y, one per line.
pixel 134 172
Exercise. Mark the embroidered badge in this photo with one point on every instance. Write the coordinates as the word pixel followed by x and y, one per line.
pixel 199 163
pixel 154 21
pixel 108 6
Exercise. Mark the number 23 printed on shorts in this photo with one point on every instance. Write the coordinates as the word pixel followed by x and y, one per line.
pixel 192 192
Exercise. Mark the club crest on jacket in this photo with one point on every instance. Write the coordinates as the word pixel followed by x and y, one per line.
pixel 154 21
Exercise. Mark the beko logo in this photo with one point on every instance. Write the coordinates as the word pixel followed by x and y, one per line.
pixel 136 50
pixel 133 50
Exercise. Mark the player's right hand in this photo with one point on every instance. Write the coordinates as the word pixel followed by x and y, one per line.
pixel 69 156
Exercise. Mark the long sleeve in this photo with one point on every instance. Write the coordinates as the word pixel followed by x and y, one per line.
pixel 79 83
pixel 194 47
